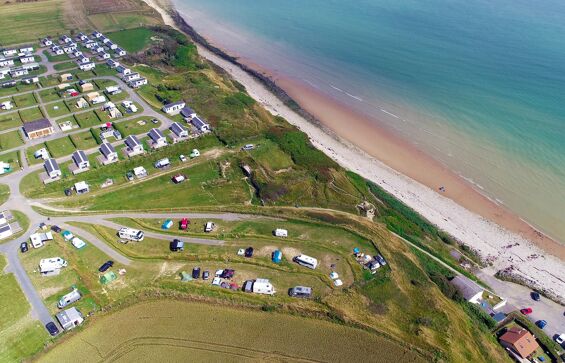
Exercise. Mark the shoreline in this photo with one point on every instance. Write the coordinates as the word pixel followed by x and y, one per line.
pixel 500 237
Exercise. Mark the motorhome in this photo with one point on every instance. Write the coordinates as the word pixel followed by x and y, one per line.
pixel 306 261
pixel 130 234
pixel 279 232
pixel 51 264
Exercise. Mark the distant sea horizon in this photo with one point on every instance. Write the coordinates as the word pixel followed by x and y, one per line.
pixel 478 86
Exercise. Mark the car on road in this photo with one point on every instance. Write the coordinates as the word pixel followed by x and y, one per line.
pixel 23 247
pixel 206 275
pixel 196 273
pixel 526 311
pixel 535 295
pixel 56 229
pixel 541 324
pixel 560 339
pixel 52 328
pixel 106 265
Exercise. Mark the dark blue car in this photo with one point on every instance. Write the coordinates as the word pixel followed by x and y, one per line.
pixel 541 324
pixel 52 328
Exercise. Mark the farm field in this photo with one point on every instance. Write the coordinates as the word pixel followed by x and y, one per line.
pixel 174 329
pixel 27 21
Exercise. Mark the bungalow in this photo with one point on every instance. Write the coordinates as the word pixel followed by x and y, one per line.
pixel 81 187
pixel 30 66
pixel 188 113
pixel 69 318
pixel 27 59
pixel 157 138
pixel 26 50
pixel 38 128
pixel 120 52
pixel 81 103
pixel 470 291
pixel 4 71
pixel 65 39
pixel 112 63
pixel 174 108
pixel 90 44
pixel 105 40
pixel 200 125
pixel 83 60
pixel 111 45
pixel 5 230
pixel 109 153
pixel 52 168
pixel 7 84
pixel 113 90
pixel 68 49
pixel 104 56
pixel 99 99
pixel 57 50
pixel 46 42
pixel 6 62
pixel 80 160
pixel 9 52
pixel 96 34
pixel 138 82
pixel 99 49
pixel 82 37
pixel 134 147
pixel 86 87
pixel 519 341
pixel 6 105
pixel 65 77
pixel 179 130
pixel 123 69
pixel 30 80
pixel 18 72
pixel 77 53
pixel 87 66
pixel 130 77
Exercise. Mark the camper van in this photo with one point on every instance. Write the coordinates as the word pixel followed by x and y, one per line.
pixel 209 227
pixel 263 286
pixel 279 232
pixel 300 291
pixel 130 234
pixel 306 261
pixel 162 163
pixel 51 264
pixel 68 299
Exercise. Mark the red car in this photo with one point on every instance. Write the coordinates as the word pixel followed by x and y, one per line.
pixel 184 223
pixel 526 311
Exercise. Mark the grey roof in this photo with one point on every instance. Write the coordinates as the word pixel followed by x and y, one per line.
pixel 51 165
pixel 197 122
pixel 79 156
pixel 68 316
pixel 168 105
pixel 177 128
pixel 466 287
pixel 118 50
pixel 36 125
pixel 5 228
pixel 107 149
pixel 156 134
pixel 187 111
pixel 131 141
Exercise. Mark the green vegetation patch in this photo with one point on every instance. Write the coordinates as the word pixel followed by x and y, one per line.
pixel 65 65
pixel 10 140
pixel 57 109
pixel 136 126
pixel 60 147
pixel 84 140
pixel 25 100
pixel 16 306
pixel 87 119
pixel 9 121
pixel 4 195
pixel 31 114
pixel 132 40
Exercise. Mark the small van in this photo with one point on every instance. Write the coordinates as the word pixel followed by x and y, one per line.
pixel 300 291
pixel 209 227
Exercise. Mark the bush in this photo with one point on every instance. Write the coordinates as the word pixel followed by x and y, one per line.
pixel 479 315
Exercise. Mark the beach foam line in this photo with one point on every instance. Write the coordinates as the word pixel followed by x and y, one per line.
pixel 389 113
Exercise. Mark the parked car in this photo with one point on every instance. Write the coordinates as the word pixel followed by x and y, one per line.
pixel 56 229
pixel 227 273
pixel 182 158
pixel 105 266
pixel 206 275
pixel 129 175
pixel 248 147
pixel 541 324
pixel 177 245
pixel 249 252
pixel 535 295
pixel 526 311
pixel 179 178
pixel 155 121
pixel 560 339
pixel 23 247
pixel 196 273
pixel 300 291
pixel 52 328
pixel 184 223
pixel 68 192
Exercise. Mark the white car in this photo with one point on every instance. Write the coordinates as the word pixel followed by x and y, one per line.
pixel 560 339
pixel 182 158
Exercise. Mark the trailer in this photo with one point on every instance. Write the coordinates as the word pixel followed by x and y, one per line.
pixel 69 298
pixel 306 261
pixel 130 234
pixel 279 232
pixel 47 265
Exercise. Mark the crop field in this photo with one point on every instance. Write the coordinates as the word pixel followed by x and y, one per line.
pixel 174 330
pixel 27 21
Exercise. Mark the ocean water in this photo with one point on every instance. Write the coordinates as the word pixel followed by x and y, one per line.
pixel 479 85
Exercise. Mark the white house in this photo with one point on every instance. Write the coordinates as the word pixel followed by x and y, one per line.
pixel 70 318
pixel 174 108
pixel 82 37
pixel 83 60
pixel 188 113
pixel 99 49
pixel 104 56
pixel 138 82
pixel 26 50
pixel 30 80
pixel 134 147
pixel 6 62
pixel 87 66
pixel 157 138
pixel 113 90
pixel 65 39
pixel 112 63
pixel 57 51
pixel 17 72
pixel 109 153
pixel 52 168
pixel 120 52
pixel 96 34
pixel 470 291
pixel 9 52
pixel 6 105
pixel 111 45
pixel 27 59
pixel 90 45
pixel 123 69
pixel 77 53
pixel 46 42
pixel 140 172
pixel 130 77
pixel 178 130
pixel 200 125
pixel 81 187
pixel 80 160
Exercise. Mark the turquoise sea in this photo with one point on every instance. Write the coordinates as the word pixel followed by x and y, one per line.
pixel 479 85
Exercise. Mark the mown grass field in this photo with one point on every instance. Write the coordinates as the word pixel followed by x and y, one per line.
pixel 172 330
pixel 11 120
pixel 132 40
pixel 26 22
pixel 4 195
pixel 10 140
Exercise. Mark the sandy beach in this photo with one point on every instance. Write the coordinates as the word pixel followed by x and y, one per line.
pixel 499 236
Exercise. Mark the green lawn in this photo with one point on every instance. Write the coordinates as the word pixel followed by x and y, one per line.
pixel 9 121
pixel 132 40
pixel 60 147
pixel 87 119
pixel 31 114
pixel 104 70
pixel 29 154
pixel 26 22
pixel 65 65
pixel 84 140
pixel 16 306
pixel 4 195
pixel 49 95
pixel 57 109
pixel 55 58
pixel 25 100
pixel 10 140
pixel 133 127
